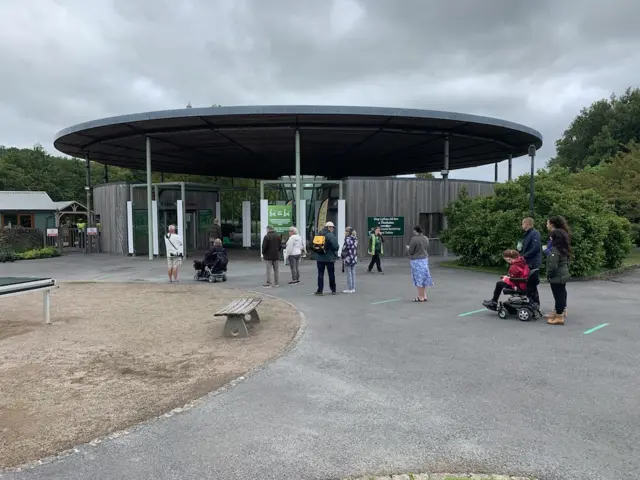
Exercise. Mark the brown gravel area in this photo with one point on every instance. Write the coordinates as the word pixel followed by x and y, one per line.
pixel 115 355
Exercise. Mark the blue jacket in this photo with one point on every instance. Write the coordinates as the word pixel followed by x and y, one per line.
pixel 532 249
pixel 331 248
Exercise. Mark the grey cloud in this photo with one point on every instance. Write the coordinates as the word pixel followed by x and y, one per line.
pixel 537 63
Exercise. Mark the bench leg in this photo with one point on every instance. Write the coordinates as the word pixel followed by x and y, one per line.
pixel 255 318
pixel 46 296
pixel 235 327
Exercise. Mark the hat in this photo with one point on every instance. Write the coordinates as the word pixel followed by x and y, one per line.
pixel 329 224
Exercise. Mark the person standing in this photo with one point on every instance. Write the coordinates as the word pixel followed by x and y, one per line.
pixel 419 260
pixel 376 250
pixel 350 258
pixel 325 249
pixel 558 273
pixel 271 246
pixel 173 246
pixel 216 230
pixel 531 250
pixel 557 222
pixel 294 249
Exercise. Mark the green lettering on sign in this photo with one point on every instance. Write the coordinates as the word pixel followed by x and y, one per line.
pixel 280 217
pixel 389 226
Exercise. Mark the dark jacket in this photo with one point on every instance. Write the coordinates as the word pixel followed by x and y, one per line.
pixel 532 249
pixel 271 245
pixel 331 247
pixel 557 267
pixel 212 254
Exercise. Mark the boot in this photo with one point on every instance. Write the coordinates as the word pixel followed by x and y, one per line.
pixel 549 315
pixel 556 319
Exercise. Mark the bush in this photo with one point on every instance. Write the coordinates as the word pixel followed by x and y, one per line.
pixel 18 239
pixel 34 254
pixel 479 230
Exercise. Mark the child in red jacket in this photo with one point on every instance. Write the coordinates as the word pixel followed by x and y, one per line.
pixel 517 269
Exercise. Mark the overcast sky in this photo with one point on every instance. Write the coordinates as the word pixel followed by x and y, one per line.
pixel 63 62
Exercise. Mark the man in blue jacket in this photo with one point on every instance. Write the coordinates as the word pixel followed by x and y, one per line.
pixel 326 258
pixel 531 250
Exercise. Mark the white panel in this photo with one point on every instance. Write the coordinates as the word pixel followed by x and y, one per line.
pixel 130 226
pixel 246 224
pixel 181 225
pixel 341 223
pixel 264 217
pixel 218 212
pixel 154 213
pixel 302 228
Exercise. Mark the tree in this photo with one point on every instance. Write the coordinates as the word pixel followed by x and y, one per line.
pixel 480 229
pixel 599 132
pixel 424 175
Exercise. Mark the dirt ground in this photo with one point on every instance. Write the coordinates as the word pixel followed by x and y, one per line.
pixel 117 354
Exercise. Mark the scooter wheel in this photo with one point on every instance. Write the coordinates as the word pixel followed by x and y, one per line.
pixel 524 315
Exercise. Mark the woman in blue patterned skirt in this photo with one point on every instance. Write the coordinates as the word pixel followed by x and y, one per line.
pixel 419 258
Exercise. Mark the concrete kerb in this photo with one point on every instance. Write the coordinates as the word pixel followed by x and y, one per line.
pixel 192 404
pixel 442 476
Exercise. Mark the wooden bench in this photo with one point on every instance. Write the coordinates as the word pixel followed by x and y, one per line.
pixel 237 313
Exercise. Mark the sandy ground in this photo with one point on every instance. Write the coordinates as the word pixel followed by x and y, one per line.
pixel 117 354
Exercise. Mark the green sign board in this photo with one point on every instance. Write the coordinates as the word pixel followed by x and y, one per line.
pixel 280 217
pixel 205 218
pixel 389 226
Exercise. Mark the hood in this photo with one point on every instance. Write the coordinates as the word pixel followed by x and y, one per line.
pixel 520 261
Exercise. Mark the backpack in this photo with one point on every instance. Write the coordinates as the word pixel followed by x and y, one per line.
pixel 319 244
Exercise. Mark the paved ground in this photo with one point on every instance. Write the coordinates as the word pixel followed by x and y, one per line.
pixel 397 386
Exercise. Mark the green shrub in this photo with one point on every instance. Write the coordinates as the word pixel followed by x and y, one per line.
pixel 46 252
pixel 19 239
pixel 635 234
pixel 480 229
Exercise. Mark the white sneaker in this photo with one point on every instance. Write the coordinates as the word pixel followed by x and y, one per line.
pixel 353 291
pixel 347 291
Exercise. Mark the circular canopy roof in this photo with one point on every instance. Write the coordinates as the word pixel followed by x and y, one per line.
pixel 259 141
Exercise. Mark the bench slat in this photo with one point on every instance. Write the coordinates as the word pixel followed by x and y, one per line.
pixel 241 306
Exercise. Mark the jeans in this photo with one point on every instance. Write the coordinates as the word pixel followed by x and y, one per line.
pixel 559 291
pixel 350 270
pixel 331 270
pixel 375 260
pixel 294 265
pixel 273 272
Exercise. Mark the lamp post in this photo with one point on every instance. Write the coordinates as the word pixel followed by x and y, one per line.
pixel 532 154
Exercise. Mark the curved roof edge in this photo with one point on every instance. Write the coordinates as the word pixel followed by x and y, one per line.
pixel 299 110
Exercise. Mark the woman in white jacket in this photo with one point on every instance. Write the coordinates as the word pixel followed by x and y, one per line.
pixel 294 250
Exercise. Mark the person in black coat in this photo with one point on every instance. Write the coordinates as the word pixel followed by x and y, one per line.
pixel 531 250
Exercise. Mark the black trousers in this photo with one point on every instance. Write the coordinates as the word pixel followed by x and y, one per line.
pixel 498 290
pixel 375 260
pixel 559 291
pixel 331 270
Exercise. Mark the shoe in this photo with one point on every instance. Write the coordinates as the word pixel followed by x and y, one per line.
pixel 557 319
pixel 490 303
pixel 334 293
pixel 266 285
pixel 353 291
pixel 347 291
pixel 292 282
pixel 318 294
pixel 550 315
pixel 276 285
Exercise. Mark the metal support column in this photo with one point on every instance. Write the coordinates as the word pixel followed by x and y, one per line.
pixel 298 185
pixel 106 173
pixel 87 188
pixel 261 189
pixel 532 154
pixel 495 172
pixel 510 166
pixel 340 192
pixel 183 227
pixel 149 201
pixel 445 186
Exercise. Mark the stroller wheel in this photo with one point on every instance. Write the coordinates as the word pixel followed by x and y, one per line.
pixel 502 313
pixel 524 315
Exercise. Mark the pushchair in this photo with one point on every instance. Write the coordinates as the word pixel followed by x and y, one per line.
pixel 521 302
pixel 213 268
